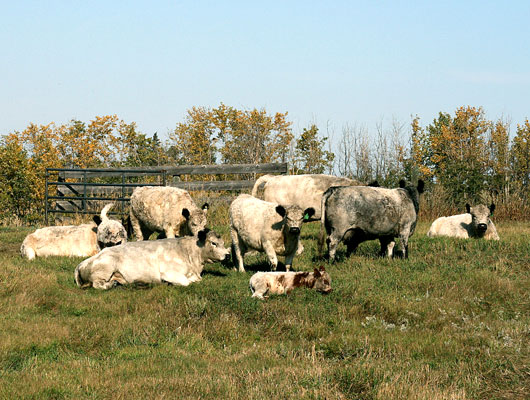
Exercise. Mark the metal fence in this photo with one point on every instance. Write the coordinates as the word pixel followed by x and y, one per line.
pixel 81 191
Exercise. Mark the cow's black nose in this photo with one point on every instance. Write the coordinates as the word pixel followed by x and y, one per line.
pixel 294 230
pixel 482 227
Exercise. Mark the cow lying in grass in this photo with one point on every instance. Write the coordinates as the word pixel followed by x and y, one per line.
pixel 264 283
pixel 177 261
pixel 475 224
pixel 75 240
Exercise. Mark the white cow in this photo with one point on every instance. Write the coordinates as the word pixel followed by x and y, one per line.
pixel 305 191
pixel 75 240
pixel 177 261
pixel 265 227
pixel 474 224
pixel 165 209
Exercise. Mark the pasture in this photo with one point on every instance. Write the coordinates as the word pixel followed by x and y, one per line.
pixel 450 322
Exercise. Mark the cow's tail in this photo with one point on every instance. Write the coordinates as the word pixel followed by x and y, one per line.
pixel 262 180
pixel 104 212
pixel 322 233
pixel 78 278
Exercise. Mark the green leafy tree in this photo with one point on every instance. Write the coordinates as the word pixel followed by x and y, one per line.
pixel 459 152
pixel 310 156
pixel 520 157
pixel 17 181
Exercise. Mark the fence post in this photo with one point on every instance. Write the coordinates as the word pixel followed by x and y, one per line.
pixel 46 197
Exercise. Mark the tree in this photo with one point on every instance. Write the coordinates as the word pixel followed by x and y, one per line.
pixel 459 152
pixel 17 180
pixel 310 156
pixel 520 156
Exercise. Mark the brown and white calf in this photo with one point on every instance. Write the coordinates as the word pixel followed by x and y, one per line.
pixel 476 223
pixel 177 261
pixel 75 240
pixel 264 283
pixel 165 209
pixel 265 227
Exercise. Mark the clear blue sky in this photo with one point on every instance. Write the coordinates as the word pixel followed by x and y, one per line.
pixel 336 62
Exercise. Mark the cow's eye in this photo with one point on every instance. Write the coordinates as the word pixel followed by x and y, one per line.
pixel 214 244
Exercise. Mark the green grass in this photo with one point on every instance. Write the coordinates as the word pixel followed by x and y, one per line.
pixel 450 322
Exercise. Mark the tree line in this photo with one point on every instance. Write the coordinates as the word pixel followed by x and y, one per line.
pixel 463 157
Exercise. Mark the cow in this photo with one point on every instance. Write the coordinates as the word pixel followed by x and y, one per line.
pixel 75 240
pixel 166 210
pixel 474 224
pixel 305 191
pixel 264 283
pixel 265 227
pixel 354 214
pixel 177 261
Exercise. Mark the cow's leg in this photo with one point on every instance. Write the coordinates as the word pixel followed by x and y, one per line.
pixel 271 253
pixel 404 244
pixel 289 261
pixel 260 289
pixel 137 229
pixel 300 248
pixel 352 242
pixel 175 278
pixel 238 250
pixel 333 241
pixel 387 246
pixel 118 278
pixel 169 232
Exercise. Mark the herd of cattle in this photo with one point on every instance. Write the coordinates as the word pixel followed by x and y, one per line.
pixel 268 221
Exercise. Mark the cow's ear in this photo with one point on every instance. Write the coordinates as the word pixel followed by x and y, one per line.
pixel 468 208
pixel 421 186
pixel 202 235
pixel 205 207
pixel 322 268
pixel 281 210
pixel 97 219
pixel 402 183
pixel 185 213
pixel 316 273
pixel 492 208
pixel 308 213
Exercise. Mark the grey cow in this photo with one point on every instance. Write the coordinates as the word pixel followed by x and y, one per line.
pixel 177 261
pixel 354 214
pixel 266 227
pixel 474 224
pixel 165 209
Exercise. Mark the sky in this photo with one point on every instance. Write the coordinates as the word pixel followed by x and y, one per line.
pixel 331 63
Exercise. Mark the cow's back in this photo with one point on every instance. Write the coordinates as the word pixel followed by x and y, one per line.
pixel 253 218
pixel 158 207
pixel 302 190
pixel 373 210
pixel 68 240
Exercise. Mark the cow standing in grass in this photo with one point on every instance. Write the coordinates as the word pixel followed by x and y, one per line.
pixel 266 227
pixel 75 240
pixel 177 261
pixel 476 223
pixel 264 283
pixel 354 214
pixel 165 209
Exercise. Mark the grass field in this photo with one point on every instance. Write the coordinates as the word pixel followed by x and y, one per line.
pixel 450 322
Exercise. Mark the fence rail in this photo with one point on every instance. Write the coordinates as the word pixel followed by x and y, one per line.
pixel 81 191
